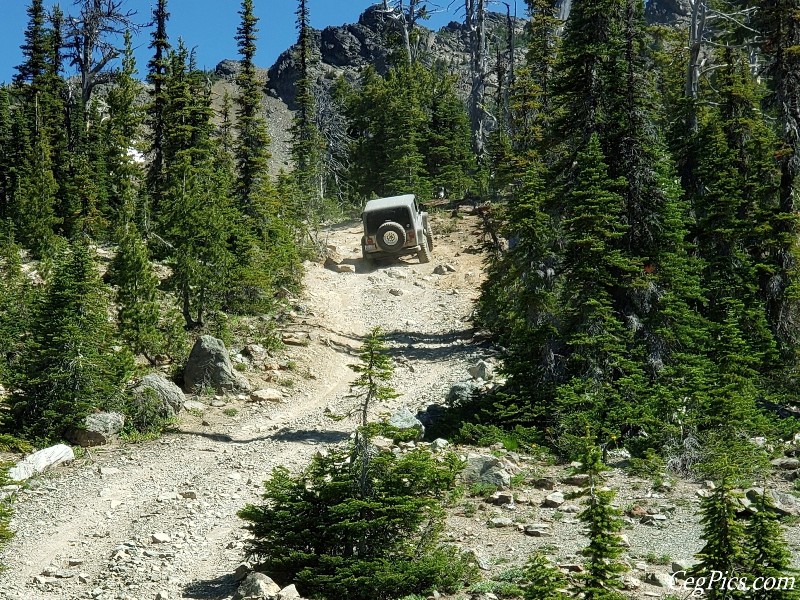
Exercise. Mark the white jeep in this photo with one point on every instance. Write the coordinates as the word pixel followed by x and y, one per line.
pixel 396 226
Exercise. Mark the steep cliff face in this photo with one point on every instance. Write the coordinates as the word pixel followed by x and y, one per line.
pixel 667 12
pixel 347 49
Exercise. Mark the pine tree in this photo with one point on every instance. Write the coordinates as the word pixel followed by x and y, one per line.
pixel 724 536
pixel 138 313
pixel 34 49
pixel 34 214
pixel 199 220
pixel 122 132
pixel 157 75
pixel 252 148
pixel 69 368
pixel 307 145
pixel 15 301
pixel 603 568
pixel 7 163
pixel 543 580
pixel 768 554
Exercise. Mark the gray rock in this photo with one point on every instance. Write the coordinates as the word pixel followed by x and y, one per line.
pixel 460 393
pixel 41 461
pixel 554 500
pixel 487 470
pixel 786 464
pixel 579 479
pixel 481 370
pixel 266 395
pixel 228 68
pixel 663 580
pixel 242 571
pixel 98 429
pixel 404 419
pixel 785 504
pixel 155 387
pixel 257 585
pixel 502 498
pixel 194 405
pixel 160 538
pixel 396 292
pixel 440 270
pixel 346 268
pixel 209 366
pixel 545 483
pixel 288 593
pixel 538 530
pixel 500 522
pixel 438 444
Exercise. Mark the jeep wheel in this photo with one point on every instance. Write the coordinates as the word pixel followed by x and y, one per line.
pixel 424 252
pixel 391 236
pixel 429 237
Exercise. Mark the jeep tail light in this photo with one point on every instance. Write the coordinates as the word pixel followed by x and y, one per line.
pixel 411 235
pixel 370 241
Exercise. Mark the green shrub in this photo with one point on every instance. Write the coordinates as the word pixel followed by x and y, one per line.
pixel 5 509
pixel 650 466
pixel 322 532
pixel 395 434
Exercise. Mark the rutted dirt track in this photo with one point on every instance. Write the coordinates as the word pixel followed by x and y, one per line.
pixel 135 521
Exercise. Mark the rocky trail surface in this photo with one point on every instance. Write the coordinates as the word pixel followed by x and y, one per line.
pixel 158 519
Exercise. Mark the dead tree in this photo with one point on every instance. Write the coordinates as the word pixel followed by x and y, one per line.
pixel 407 18
pixel 475 21
pixel 94 36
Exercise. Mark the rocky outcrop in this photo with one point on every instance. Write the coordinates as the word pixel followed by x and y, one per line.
pixel 209 367
pixel 667 12
pixel 345 50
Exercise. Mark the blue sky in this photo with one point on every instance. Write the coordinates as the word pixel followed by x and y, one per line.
pixel 207 25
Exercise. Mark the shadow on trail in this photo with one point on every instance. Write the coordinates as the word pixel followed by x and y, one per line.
pixel 212 589
pixel 282 435
pixel 431 347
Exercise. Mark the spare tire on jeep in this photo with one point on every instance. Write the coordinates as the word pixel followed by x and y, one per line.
pixel 391 236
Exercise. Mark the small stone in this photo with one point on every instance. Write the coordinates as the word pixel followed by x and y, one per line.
pixel 501 498
pixel 440 270
pixel 194 405
pixel 659 579
pixel 396 292
pixel 554 500
pixel 439 444
pixel 189 494
pixel 75 562
pixel 266 395
pixel 579 479
pixel 346 268
pixel 545 483
pixel 786 464
pixel 498 522
pixel 538 530
pixel 162 595
pixel 160 538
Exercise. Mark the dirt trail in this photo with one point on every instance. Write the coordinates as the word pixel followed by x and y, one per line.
pixel 135 521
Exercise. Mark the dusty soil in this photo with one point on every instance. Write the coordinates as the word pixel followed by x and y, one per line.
pixel 158 519
pixel 87 530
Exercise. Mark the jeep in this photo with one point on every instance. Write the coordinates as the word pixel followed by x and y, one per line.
pixel 396 226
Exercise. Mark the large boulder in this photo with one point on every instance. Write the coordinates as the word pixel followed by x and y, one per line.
pixel 257 585
pixel 155 387
pixel 98 429
pixel 405 419
pixel 40 461
pixel 460 393
pixel 487 470
pixel 210 367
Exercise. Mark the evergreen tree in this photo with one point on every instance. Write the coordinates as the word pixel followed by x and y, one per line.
pixel 156 77
pixel 122 132
pixel 199 218
pixel 543 580
pixel 35 47
pixel 252 148
pixel 724 536
pixel 307 145
pixel 602 578
pixel 15 301
pixel 7 163
pixel 138 313
pixel 34 215
pixel 69 368
pixel 767 552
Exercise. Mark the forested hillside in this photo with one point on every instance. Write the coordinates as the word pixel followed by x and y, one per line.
pixel 637 186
